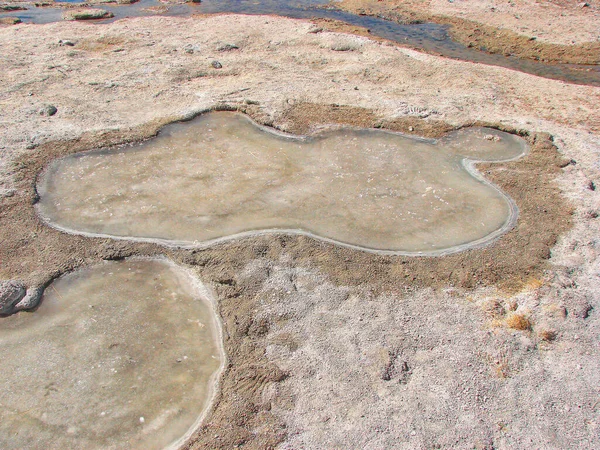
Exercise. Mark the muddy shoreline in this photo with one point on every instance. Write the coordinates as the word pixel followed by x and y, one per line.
pixel 38 254
pixel 478 34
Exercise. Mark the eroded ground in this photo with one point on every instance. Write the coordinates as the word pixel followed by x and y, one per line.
pixel 329 346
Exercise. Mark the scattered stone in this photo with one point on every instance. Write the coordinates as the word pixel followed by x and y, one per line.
pixel 216 64
pixel 227 47
pixel 10 20
pixel 584 5
pixel 87 14
pixel 191 48
pixel 67 43
pixel 48 110
pixel 590 185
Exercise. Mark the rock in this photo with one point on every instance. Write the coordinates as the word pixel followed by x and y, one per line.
pixel 584 5
pixel 227 47
pixel 12 8
pixel 216 64
pixel 87 14
pixel 14 297
pixel 10 20
pixel 31 300
pixel 48 110
pixel 67 43
pixel 190 48
pixel 11 293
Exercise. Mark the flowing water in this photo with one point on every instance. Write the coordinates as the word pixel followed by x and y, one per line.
pixel 118 356
pixel 427 36
pixel 221 176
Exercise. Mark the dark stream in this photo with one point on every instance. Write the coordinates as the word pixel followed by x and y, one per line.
pixel 429 37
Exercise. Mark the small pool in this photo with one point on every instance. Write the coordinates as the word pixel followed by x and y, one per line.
pixel 122 355
pixel 221 176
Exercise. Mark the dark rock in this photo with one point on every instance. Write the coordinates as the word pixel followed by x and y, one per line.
pixel 48 110
pixel 227 47
pixel 216 64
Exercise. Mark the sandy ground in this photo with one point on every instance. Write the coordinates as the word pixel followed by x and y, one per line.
pixel 330 347
pixel 555 30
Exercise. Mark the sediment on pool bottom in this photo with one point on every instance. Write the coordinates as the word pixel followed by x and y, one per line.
pixel 122 355
pixel 221 175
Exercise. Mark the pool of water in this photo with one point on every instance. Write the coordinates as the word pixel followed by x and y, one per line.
pixel 122 356
pixel 222 176
pixel 428 36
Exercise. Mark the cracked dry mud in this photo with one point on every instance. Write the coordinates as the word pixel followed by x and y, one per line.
pixel 328 346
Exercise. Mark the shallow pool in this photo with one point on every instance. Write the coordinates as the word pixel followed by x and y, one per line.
pixel 222 176
pixel 122 356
